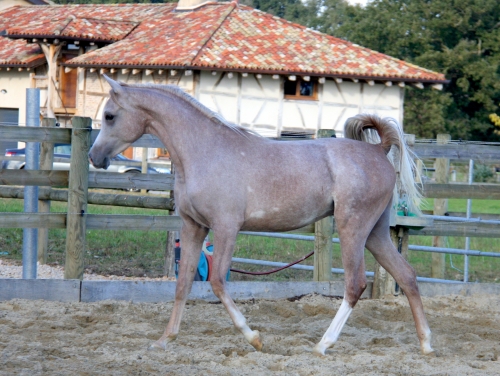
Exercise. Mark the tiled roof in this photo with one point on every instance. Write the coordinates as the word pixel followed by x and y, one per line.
pixel 18 53
pixel 222 36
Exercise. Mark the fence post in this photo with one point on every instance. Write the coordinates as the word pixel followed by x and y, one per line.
pixel 30 235
pixel 144 165
pixel 442 167
pixel 323 233
pixel 46 162
pixel 77 198
pixel 169 266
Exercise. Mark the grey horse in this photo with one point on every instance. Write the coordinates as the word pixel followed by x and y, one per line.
pixel 229 179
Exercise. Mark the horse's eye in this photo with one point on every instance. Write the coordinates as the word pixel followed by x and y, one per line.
pixel 109 117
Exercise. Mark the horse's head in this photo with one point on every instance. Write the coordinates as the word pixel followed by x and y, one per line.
pixel 121 125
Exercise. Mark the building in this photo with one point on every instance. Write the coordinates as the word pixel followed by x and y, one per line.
pixel 257 70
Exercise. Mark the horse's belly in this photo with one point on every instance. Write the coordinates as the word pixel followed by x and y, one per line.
pixel 274 219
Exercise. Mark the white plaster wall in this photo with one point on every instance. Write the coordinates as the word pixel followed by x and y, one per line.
pixel 15 83
pixel 259 104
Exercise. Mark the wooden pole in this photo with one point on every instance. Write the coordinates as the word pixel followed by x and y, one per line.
pixel 442 167
pixel 46 161
pixel 51 53
pixel 144 165
pixel 323 233
pixel 169 266
pixel 77 198
pixel 383 283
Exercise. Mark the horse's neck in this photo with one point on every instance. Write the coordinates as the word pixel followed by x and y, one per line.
pixel 186 132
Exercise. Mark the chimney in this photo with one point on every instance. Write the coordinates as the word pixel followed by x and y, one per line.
pixel 192 4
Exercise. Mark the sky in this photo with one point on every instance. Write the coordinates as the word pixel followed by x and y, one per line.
pixel 361 2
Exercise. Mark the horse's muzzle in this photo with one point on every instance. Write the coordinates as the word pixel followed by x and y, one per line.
pixel 102 163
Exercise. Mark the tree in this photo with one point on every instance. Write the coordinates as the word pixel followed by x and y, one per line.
pixel 460 38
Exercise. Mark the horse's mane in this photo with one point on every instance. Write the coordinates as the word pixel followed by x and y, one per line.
pixel 212 115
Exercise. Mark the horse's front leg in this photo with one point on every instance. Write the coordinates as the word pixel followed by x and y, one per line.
pixel 224 241
pixel 192 236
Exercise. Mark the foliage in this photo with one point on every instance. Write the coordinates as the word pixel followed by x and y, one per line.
pixel 495 119
pixel 460 38
pixel 110 1
pixel 482 173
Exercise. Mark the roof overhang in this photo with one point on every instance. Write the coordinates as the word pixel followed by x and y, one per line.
pixel 259 71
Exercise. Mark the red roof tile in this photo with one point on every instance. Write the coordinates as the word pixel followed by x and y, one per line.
pixel 18 53
pixel 216 36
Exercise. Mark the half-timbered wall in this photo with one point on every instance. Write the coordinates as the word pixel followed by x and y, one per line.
pixel 259 103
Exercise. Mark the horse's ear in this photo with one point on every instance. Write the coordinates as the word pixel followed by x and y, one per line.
pixel 115 86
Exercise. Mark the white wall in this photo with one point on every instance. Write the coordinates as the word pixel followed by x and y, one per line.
pixel 259 104
pixel 15 83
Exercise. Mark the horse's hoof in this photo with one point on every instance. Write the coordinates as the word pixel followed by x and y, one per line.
pixel 158 345
pixel 161 344
pixel 319 350
pixel 255 341
pixel 429 352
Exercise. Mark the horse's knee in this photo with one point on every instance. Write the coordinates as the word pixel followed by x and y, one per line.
pixel 217 287
pixel 354 291
pixel 409 282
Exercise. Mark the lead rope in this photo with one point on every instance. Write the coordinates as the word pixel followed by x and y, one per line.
pixel 273 270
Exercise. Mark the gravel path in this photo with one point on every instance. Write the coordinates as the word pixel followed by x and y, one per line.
pixel 8 269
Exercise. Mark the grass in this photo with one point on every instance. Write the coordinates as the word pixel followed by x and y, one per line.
pixel 139 253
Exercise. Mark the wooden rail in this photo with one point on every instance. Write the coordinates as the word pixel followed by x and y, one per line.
pixel 163 182
pixel 82 220
pixel 458 151
pixel 95 198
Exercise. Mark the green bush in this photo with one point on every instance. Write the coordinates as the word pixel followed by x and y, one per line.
pixel 482 173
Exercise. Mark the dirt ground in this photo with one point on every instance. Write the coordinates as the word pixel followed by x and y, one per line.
pixel 111 338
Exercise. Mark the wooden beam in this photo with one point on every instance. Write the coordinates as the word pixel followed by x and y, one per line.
pixel 46 163
pixel 163 182
pixel 51 53
pixel 34 177
pixel 388 83
pixel 474 191
pixel 93 221
pixel 462 229
pixel 323 247
pixel 95 198
pixel 442 166
pixel 77 198
pixel 461 151
pixel 133 223
pixel 33 220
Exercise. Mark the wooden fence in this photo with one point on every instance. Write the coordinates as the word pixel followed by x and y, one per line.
pixel 78 180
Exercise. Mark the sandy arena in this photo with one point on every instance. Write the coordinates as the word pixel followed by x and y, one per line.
pixel 111 338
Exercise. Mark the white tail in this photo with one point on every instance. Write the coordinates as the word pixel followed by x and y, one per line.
pixel 362 127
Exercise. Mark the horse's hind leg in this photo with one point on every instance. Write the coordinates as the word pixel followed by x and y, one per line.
pixel 352 246
pixel 224 241
pixel 380 245
pixel 192 236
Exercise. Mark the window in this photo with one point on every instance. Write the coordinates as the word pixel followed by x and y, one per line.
pixel 301 89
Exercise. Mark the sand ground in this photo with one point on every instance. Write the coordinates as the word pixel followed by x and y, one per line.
pixel 111 338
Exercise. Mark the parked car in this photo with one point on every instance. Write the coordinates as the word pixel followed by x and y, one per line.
pixel 63 151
